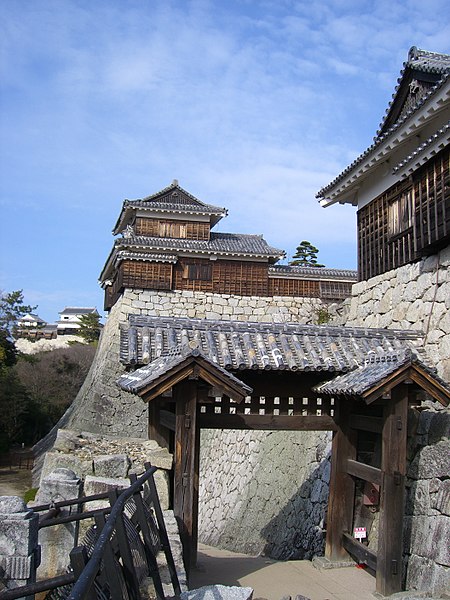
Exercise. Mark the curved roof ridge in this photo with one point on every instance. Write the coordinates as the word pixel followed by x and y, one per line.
pixel 382 137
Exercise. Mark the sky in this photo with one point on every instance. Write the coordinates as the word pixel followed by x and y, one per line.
pixel 251 105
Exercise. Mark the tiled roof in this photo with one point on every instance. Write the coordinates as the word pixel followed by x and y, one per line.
pixel 442 135
pixel 235 345
pixel 311 272
pixel 73 310
pixel 442 67
pixel 219 243
pixel 423 61
pixel 375 369
pixel 172 199
pixel 143 377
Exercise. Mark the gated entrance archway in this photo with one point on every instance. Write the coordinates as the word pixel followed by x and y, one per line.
pixel 267 377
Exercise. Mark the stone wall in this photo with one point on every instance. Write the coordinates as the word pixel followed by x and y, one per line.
pixel 427 520
pixel 416 296
pixel 264 492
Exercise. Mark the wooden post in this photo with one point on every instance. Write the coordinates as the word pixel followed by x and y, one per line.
pixel 186 468
pixel 342 485
pixel 393 467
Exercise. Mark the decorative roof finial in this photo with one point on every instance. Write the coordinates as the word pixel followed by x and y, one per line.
pixel 175 182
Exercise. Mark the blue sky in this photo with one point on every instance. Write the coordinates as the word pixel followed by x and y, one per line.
pixel 251 105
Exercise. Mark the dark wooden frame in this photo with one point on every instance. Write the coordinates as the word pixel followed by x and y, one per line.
pixel 297 408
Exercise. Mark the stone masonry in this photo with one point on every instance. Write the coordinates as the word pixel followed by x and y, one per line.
pixel 264 492
pixel 416 296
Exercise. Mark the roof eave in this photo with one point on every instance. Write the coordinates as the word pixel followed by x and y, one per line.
pixel 344 188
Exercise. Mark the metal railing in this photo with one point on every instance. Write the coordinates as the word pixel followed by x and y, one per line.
pixel 119 552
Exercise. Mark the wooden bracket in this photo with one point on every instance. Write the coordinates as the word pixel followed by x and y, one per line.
pixel 397 478
pixel 185 479
pixel 187 421
pixel 399 423
pixel 394 565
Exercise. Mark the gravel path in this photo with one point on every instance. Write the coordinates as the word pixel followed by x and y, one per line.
pixel 14 482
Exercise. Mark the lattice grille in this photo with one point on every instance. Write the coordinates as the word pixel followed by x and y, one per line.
pixel 270 405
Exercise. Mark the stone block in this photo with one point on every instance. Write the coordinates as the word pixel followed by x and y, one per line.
pixel 114 465
pixel 54 460
pixel 18 527
pixel 67 440
pixel 432 461
pixel 441 499
pixel 427 576
pixel 98 485
pixel 160 457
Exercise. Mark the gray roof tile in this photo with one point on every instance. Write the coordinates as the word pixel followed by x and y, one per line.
pixel 311 272
pixel 143 377
pixel 219 243
pixel 239 345
pixel 375 368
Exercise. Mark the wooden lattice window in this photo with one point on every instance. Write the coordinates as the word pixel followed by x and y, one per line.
pixel 400 213
pixel 198 272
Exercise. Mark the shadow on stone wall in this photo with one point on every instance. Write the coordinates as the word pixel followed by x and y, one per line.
pixel 298 531
pixel 265 492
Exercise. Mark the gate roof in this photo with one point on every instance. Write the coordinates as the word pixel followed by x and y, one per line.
pixel 236 345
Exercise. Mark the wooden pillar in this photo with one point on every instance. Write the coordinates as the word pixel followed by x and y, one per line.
pixel 186 468
pixel 342 486
pixel 156 431
pixel 393 467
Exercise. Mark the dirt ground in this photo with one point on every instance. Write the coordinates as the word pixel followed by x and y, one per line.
pixel 14 481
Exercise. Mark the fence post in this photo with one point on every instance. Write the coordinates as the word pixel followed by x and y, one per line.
pixel 58 540
pixel 19 549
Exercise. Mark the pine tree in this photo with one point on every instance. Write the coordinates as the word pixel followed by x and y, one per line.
pixel 305 255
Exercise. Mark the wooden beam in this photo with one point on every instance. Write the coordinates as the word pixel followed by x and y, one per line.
pixel 186 469
pixel 393 466
pixel 342 485
pixel 366 423
pixel 362 554
pixel 267 422
pixel 365 472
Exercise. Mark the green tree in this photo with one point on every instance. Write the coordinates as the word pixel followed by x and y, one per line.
pixel 13 396
pixel 90 327
pixel 12 308
pixel 305 255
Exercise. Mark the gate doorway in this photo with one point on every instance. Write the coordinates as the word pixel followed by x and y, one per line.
pixel 369 399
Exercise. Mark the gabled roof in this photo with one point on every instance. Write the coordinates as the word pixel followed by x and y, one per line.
pixel 422 92
pixel 31 317
pixel 236 345
pixel 419 75
pixel 173 367
pixel 380 373
pixel 172 200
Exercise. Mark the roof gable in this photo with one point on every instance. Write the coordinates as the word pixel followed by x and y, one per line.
pixel 172 200
pixel 173 367
pixel 379 374
pixel 419 75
